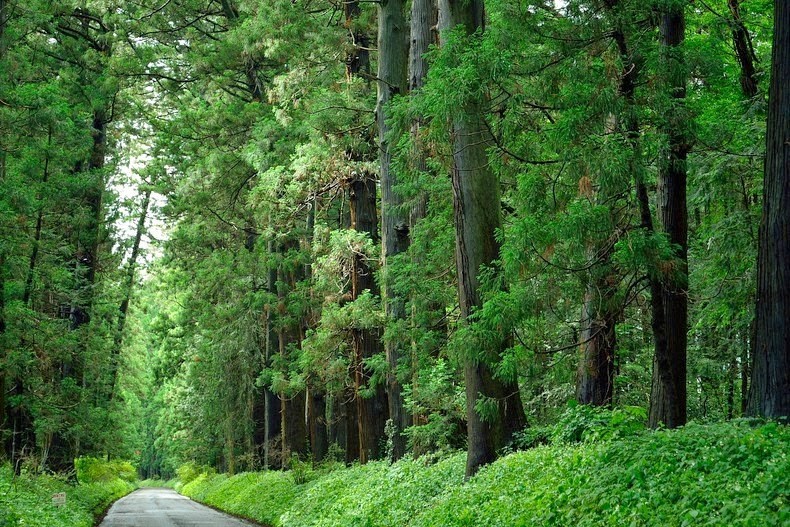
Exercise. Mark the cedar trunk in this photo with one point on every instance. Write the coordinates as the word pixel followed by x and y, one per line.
pixel 393 58
pixel 769 394
pixel 668 391
pixel 371 410
pixel 477 217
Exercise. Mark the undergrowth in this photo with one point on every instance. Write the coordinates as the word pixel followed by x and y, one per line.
pixel 26 500
pixel 727 474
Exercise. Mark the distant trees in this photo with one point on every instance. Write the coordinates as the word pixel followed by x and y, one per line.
pixel 336 256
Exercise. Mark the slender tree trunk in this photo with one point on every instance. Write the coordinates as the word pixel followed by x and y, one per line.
pixel 743 50
pixel 769 394
pixel 28 291
pixel 476 205
pixel 745 371
pixel 668 392
pixel 392 76
pixel 3 347
pixel 128 289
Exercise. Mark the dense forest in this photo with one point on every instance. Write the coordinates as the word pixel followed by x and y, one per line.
pixel 251 234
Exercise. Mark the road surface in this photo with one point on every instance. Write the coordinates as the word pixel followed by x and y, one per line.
pixel 165 508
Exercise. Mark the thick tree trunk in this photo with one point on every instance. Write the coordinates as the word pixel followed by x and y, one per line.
pixel 371 411
pixel 349 433
pixel 393 58
pixel 668 391
pixel 595 383
pixel 424 19
pixel 317 421
pixel 769 394
pixel 293 423
pixel 743 50
pixel 476 205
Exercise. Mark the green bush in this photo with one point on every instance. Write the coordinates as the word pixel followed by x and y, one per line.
pixel 592 423
pixel 724 475
pixel 189 471
pixel 26 500
pixel 95 470
pixel 728 474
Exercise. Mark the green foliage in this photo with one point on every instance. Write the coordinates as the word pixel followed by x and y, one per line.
pixel 720 475
pixel 27 499
pixel 585 423
pixel 261 496
pixel 93 470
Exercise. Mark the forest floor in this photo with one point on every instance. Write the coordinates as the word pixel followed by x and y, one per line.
pixel 727 474
pixel 27 499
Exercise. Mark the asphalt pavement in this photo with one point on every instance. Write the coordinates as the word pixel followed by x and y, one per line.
pixel 165 508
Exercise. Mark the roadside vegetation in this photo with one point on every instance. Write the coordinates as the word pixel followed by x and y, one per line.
pixel 594 470
pixel 26 499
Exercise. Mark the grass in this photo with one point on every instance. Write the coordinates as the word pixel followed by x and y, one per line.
pixel 724 474
pixel 26 500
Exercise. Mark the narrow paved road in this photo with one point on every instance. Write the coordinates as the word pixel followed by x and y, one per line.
pixel 165 508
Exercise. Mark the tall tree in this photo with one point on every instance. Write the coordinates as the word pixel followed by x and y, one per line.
pixel 668 391
pixel 477 217
pixel 392 81
pixel 769 394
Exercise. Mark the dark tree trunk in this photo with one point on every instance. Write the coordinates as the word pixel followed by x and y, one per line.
pixel 595 383
pixel 317 419
pixel 371 411
pixel 293 423
pixel 476 204
pixel 3 347
pixel 358 60
pixel 668 391
pixel 294 426
pixel 349 425
pixel 393 58
pixel 743 50
pixel 769 394
pixel 127 293
pixel 88 255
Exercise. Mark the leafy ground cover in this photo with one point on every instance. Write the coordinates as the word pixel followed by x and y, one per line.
pixel 726 474
pixel 27 499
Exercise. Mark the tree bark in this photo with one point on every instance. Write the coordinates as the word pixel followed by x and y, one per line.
pixel 424 19
pixel 477 216
pixel 371 411
pixel 392 81
pixel 317 419
pixel 358 60
pixel 769 393
pixel 3 347
pixel 668 391
pixel 743 51
pixel 595 383
pixel 293 422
